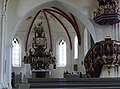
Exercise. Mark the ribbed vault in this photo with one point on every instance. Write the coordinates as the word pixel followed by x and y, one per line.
pixel 55 13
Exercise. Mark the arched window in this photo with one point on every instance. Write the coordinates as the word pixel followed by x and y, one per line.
pixel 16 53
pixel 62 53
pixel 75 47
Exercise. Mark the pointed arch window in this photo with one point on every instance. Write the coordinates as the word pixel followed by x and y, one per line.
pixel 16 53
pixel 62 53
pixel 75 47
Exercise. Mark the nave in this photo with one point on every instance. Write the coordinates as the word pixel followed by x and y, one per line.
pixel 56 35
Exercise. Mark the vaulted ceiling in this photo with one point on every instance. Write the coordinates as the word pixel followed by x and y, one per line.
pixel 55 17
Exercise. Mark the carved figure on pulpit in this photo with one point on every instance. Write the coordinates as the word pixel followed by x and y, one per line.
pixel 115 49
pixel 115 53
pixel 108 50
pixel 107 2
pixel 118 61
pixel 104 59
pixel 118 57
pixel 107 12
pixel 90 61
pixel 114 58
pixel 106 7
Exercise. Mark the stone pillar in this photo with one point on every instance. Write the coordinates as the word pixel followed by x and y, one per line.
pixel 118 71
pixel 117 28
pixel 116 32
pixel 3 32
pixel 9 64
pixel 113 33
pixel 0 54
pixel 2 46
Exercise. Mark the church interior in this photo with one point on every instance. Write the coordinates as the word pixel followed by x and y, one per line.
pixel 59 44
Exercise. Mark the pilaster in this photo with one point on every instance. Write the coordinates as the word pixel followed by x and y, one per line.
pixel 3 32
pixel 9 65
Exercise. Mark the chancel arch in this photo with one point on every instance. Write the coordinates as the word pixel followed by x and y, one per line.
pixel 67 31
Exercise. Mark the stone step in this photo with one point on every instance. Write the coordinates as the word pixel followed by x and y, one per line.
pixel 82 88
pixel 61 85
pixel 81 83
pixel 95 80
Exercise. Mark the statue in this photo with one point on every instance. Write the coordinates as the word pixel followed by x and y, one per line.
pixel 108 3
pixel 107 12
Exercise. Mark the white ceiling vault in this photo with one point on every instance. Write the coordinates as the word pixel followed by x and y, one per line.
pixel 55 16
pixel 55 20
